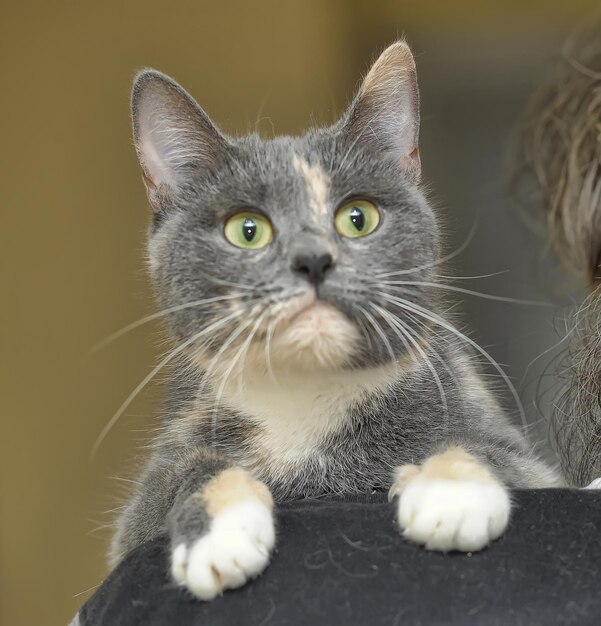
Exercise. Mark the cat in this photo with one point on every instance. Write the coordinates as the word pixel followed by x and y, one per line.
pixel 312 354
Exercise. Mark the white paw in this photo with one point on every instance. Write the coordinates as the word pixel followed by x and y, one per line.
pixel 596 484
pixel 236 548
pixel 444 514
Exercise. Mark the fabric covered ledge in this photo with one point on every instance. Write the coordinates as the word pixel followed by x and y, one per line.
pixel 343 562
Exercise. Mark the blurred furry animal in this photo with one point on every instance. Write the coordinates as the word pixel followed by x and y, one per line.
pixel 312 353
pixel 560 151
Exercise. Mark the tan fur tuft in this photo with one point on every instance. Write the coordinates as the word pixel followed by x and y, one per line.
pixel 231 487
pixel 456 464
pixel 453 464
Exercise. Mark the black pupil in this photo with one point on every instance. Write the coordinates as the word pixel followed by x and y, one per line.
pixel 249 229
pixel 358 218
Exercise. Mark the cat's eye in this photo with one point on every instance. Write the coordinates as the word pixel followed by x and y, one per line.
pixel 357 218
pixel 248 230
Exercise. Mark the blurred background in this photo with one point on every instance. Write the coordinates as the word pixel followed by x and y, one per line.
pixel 74 217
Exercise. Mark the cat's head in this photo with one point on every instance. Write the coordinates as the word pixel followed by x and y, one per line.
pixel 283 248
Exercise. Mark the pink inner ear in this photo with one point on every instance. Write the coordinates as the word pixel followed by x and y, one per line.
pixel 167 129
pixel 150 162
pixel 148 181
pixel 411 163
pixel 173 136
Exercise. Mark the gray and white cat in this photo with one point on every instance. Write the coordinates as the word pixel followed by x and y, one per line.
pixel 311 356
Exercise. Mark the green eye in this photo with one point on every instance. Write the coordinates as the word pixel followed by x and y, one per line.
pixel 248 230
pixel 357 218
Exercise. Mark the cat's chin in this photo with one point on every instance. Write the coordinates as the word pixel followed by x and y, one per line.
pixel 318 336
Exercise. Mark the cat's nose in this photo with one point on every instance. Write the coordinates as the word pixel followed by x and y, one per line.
pixel 313 266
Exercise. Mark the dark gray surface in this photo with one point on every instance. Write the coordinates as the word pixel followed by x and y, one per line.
pixel 345 563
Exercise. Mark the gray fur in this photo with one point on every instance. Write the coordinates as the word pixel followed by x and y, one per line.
pixel 197 189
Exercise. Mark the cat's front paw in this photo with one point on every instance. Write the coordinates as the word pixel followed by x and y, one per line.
pixel 236 548
pixel 595 484
pixel 453 514
pixel 451 504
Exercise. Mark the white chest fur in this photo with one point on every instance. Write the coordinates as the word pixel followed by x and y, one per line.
pixel 297 412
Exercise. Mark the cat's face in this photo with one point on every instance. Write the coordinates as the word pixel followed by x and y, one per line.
pixel 276 252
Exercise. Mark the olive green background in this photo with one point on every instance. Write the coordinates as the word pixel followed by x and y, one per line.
pixel 74 217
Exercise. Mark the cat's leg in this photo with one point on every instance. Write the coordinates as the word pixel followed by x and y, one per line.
pixel 453 501
pixel 218 517
pixel 222 531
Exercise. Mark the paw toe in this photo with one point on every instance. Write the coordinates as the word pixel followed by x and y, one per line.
pixel 443 534
pixel 407 508
pixel 202 579
pixel 240 555
pixel 229 572
pixel 179 558
pixel 453 515
pixel 472 534
pixel 424 525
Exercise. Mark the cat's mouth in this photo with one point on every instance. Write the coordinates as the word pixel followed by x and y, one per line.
pixel 313 333
pixel 308 305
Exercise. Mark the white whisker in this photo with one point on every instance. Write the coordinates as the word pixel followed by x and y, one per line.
pixel 232 365
pixel 380 332
pixel 152 374
pixel 444 277
pixel 208 372
pixel 440 261
pixel 405 331
pixel 436 319
pixel 154 316
pixel 393 283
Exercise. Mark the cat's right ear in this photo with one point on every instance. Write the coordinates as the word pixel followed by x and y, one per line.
pixel 174 137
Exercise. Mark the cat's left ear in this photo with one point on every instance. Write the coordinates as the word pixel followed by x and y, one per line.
pixel 385 113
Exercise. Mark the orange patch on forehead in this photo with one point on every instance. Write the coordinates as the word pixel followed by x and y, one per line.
pixel 317 183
